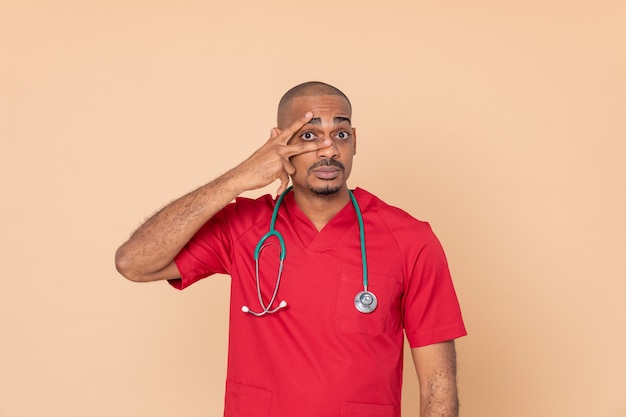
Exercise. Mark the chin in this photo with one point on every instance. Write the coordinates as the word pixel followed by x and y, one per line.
pixel 327 189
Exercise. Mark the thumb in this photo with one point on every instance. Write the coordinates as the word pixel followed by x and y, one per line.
pixel 284 183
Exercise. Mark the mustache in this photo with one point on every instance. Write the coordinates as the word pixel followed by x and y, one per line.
pixel 326 163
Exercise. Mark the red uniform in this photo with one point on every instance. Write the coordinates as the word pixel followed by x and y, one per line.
pixel 319 356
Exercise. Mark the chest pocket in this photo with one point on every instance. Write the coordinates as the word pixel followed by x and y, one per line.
pixel 386 315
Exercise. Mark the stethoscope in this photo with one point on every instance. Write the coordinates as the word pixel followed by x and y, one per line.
pixel 365 301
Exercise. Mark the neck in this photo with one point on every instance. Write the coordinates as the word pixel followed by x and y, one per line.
pixel 320 209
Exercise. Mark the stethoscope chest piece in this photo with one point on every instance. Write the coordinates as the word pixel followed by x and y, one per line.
pixel 365 302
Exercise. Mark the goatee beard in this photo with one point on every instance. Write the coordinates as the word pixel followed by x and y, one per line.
pixel 325 190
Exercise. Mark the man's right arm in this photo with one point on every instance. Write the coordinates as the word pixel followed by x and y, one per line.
pixel 149 253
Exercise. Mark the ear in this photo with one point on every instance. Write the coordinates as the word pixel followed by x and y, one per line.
pixel 354 139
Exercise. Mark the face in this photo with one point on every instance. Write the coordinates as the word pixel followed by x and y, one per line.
pixel 326 170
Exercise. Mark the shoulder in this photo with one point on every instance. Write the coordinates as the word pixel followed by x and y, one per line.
pixel 394 229
pixel 392 216
pixel 246 203
pixel 252 209
pixel 395 226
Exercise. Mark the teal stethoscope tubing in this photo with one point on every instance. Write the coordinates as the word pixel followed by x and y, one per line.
pixel 273 231
pixel 359 217
pixel 364 301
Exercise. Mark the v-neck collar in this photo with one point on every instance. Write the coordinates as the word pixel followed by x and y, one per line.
pixel 333 231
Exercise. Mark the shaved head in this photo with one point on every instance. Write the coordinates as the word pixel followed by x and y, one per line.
pixel 310 88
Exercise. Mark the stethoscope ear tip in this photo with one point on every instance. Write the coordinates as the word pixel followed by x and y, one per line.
pixel 265 311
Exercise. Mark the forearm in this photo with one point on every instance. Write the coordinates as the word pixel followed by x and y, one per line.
pixel 154 245
pixel 439 399
pixel 436 371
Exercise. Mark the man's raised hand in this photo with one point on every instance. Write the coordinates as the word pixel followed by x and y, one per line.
pixel 271 161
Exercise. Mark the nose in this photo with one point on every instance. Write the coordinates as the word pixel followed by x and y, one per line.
pixel 329 151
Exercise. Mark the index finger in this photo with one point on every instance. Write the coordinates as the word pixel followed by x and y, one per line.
pixel 304 147
pixel 286 134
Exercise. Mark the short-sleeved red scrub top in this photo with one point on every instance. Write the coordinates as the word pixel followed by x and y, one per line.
pixel 319 356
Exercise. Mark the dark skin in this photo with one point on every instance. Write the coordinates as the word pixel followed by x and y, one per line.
pixel 149 253
pixel 314 146
pixel 319 179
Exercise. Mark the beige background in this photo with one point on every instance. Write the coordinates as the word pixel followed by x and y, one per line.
pixel 501 123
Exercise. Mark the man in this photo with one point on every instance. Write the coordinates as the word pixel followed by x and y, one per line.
pixel 314 354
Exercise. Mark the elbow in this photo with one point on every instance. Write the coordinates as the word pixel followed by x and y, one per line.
pixel 136 269
pixel 124 265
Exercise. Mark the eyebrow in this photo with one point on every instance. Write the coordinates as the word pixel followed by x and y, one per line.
pixel 339 119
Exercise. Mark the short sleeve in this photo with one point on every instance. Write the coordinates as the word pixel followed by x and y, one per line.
pixel 431 309
pixel 207 253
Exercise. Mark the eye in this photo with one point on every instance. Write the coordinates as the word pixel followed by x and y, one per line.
pixel 308 136
pixel 343 135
